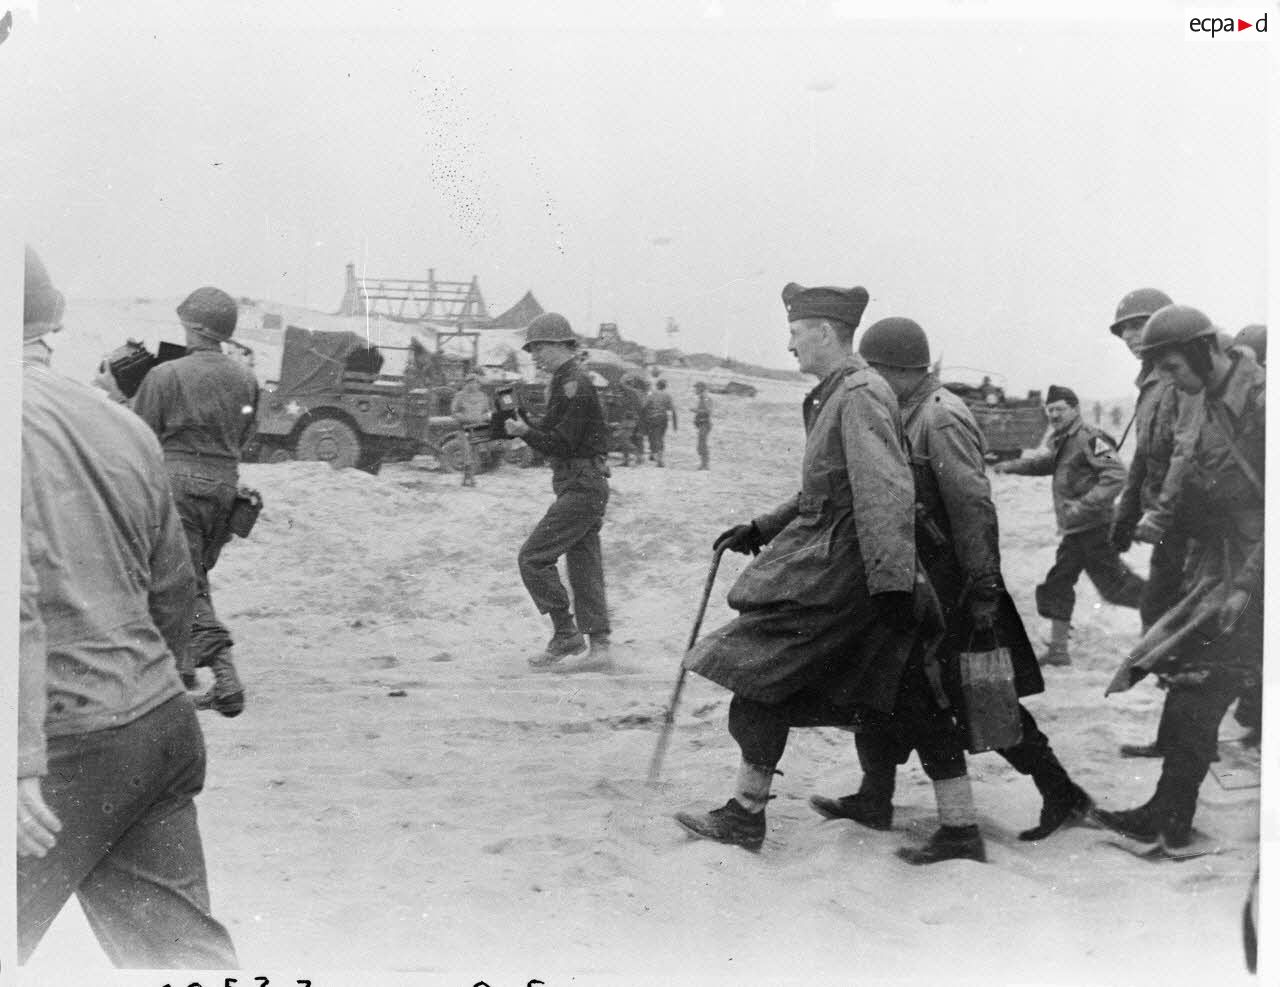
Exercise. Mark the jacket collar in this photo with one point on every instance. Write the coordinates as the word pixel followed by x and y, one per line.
pixel 827 386
pixel 1059 438
pixel 912 401
pixel 1243 377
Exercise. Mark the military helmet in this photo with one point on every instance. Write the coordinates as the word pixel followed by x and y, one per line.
pixel 1172 325
pixel 550 327
pixel 209 311
pixel 43 304
pixel 896 342
pixel 1139 304
pixel 1255 337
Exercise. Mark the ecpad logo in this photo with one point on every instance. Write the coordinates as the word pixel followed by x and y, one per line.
pixel 1213 23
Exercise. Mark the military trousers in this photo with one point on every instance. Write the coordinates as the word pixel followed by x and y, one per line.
pixel 571 528
pixel 704 445
pixel 916 724
pixel 1164 579
pixel 1087 551
pixel 657 435
pixel 130 847
pixel 204 499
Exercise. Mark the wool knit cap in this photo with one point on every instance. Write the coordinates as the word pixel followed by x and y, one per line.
pixel 1066 394
pixel 42 303
pixel 842 304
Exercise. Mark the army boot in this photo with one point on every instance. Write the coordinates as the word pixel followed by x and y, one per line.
pixel 740 821
pixel 227 694
pixel 599 648
pixel 565 641
pixel 948 843
pixel 872 804
pixel 1064 800
pixel 1059 652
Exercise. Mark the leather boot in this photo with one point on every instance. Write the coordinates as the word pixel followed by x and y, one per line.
pixel 1059 651
pixel 1064 800
pixel 948 843
pixel 872 804
pixel 226 696
pixel 565 641
pixel 731 824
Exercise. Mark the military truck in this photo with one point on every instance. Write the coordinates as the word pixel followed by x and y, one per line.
pixel 333 403
pixel 1009 425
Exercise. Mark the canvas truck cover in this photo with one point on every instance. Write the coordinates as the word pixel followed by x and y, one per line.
pixel 314 361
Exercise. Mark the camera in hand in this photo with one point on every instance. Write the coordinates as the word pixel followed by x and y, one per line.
pixel 505 408
pixel 130 363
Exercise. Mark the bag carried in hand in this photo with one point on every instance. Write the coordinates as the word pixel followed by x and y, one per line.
pixel 245 511
pixel 990 699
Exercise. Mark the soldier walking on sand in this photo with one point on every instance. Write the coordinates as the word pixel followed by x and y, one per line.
pixel 957 536
pixel 202 407
pixel 834 614
pixel 470 409
pixel 702 422
pixel 1146 509
pixel 657 407
pixel 575 439
pixel 110 756
pixel 1087 476
pixel 1224 507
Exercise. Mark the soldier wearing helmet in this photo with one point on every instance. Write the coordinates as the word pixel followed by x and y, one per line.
pixel 1224 500
pixel 958 539
pixel 1087 476
pixel 203 408
pixel 1254 336
pixel 1146 509
pixel 574 437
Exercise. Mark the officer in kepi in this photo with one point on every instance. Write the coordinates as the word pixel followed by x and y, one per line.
pixel 833 612
pixel 203 409
pixel 1087 477
pixel 574 437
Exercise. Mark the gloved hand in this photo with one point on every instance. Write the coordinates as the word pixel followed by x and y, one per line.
pixel 1121 535
pixel 741 538
pixel 1147 531
pixel 895 608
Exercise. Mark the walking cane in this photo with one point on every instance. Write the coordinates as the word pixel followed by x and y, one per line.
pixel 669 719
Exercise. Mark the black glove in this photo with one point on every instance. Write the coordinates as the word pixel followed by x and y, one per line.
pixel 1121 535
pixel 896 608
pixel 742 538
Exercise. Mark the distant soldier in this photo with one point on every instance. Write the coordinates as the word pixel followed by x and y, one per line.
pixel 957 536
pixel 202 407
pixel 1224 509
pixel 574 437
pixel 470 409
pixel 1146 509
pixel 834 613
pixel 658 406
pixel 1087 477
pixel 702 422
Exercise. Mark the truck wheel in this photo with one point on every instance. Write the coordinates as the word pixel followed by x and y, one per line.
pixel 450 454
pixel 329 441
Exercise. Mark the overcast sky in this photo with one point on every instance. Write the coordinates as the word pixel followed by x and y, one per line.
pixel 1004 182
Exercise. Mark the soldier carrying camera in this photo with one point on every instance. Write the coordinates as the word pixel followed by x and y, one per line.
pixel 202 407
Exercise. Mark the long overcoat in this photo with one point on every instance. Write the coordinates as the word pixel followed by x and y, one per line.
pixel 959 536
pixel 804 603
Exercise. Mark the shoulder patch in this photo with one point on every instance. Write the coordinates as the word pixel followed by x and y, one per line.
pixel 1099 446
pixel 570 388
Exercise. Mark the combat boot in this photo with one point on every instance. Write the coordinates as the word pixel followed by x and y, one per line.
pixel 227 694
pixel 948 843
pixel 567 640
pixel 870 812
pixel 731 824
pixel 1141 750
pixel 1059 652
pixel 1074 805
pixel 599 650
